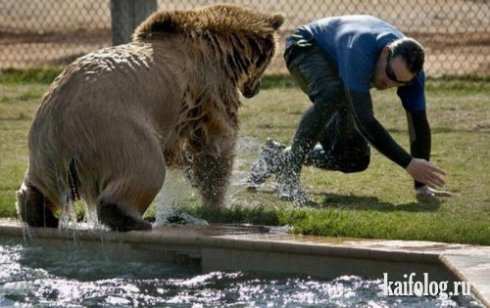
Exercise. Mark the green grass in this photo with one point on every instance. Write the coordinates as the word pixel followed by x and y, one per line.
pixel 36 75
pixel 377 203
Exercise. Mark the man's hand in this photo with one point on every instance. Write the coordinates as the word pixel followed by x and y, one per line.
pixel 425 172
pixel 425 193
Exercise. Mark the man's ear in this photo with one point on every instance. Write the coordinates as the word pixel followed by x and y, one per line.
pixel 384 52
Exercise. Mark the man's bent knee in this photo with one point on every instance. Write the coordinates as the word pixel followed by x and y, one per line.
pixel 356 166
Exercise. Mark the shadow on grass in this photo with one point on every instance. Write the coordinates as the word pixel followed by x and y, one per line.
pixel 363 203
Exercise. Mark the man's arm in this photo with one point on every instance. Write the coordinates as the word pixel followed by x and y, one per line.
pixel 420 147
pixel 373 131
pixel 420 136
pixel 420 169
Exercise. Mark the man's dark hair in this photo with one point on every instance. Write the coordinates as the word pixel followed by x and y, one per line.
pixel 411 51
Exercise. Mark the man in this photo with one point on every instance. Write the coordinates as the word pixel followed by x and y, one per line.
pixel 336 61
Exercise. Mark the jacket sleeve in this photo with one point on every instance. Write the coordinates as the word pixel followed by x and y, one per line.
pixel 420 136
pixel 373 131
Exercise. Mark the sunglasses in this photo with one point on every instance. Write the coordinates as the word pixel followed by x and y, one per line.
pixel 390 73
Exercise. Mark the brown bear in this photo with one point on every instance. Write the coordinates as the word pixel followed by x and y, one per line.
pixel 115 119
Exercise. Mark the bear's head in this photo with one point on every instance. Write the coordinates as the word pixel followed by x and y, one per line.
pixel 241 40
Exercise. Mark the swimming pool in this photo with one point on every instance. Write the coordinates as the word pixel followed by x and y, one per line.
pixel 71 274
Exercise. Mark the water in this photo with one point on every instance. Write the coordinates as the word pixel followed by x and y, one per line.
pixel 71 275
pixel 177 190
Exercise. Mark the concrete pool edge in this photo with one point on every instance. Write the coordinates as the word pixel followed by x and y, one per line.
pixel 215 246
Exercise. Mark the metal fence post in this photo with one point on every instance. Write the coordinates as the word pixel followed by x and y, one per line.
pixel 126 15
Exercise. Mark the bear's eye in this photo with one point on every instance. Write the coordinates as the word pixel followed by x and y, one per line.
pixel 254 46
pixel 268 45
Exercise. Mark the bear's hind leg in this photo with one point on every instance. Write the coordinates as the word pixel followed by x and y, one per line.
pixel 134 171
pixel 123 202
pixel 118 218
pixel 34 209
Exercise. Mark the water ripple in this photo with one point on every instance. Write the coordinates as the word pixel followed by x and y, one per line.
pixel 71 275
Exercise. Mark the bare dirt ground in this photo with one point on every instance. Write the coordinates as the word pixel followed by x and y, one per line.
pixel 46 32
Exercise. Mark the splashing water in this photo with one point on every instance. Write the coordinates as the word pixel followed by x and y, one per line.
pixel 177 191
pixel 170 199
pixel 247 150
pixel 68 218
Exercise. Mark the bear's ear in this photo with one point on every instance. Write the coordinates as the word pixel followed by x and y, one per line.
pixel 276 21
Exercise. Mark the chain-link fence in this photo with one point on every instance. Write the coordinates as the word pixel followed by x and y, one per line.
pixel 456 33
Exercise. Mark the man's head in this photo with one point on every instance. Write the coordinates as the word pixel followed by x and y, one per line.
pixel 398 63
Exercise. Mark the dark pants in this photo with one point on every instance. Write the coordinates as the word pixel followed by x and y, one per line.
pixel 329 120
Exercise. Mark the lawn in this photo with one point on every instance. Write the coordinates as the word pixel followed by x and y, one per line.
pixel 377 203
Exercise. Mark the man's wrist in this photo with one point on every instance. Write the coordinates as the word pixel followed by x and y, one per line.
pixel 407 162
